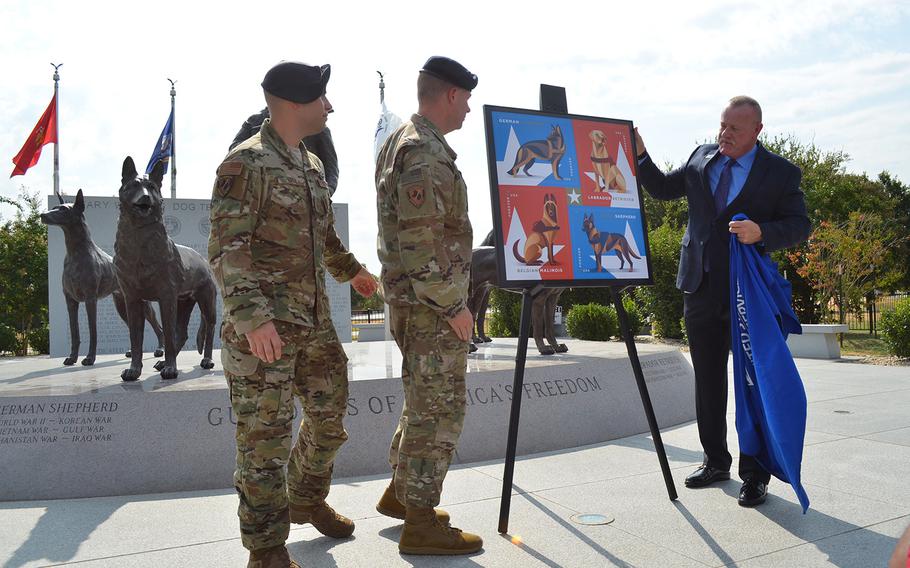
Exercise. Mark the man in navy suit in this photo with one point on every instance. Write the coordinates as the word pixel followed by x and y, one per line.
pixel 736 175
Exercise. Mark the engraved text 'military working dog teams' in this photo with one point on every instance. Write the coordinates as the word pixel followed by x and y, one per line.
pixel 150 266
pixel 605 242
pixel 88 276
pixel 551 150
pixel 543 233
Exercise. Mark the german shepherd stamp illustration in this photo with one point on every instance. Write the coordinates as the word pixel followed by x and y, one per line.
pixel 542 235
pixel 607 176
pixel 151 267
pixel 606 242
pixel 88 276
pixel 550 150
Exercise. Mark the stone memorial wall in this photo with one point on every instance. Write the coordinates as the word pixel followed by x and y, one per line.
pixel 187 223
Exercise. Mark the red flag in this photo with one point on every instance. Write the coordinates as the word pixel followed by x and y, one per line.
pixel 45 132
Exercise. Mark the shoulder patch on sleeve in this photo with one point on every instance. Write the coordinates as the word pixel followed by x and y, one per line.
pixel 231 180
pixel 415 193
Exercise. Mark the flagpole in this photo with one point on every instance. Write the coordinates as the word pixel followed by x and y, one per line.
pixel 56 134
pixel 173 140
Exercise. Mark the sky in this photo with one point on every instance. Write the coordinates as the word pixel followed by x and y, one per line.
pixel 833 73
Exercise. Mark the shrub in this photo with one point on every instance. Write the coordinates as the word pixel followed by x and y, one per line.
pixel 506 314
pixel 896 329
pixel 663 302
pixel 9 340
pixel 635 319
pixel 39 339
pixel 591 321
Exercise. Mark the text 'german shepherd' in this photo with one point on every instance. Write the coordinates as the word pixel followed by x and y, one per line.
pixel 552 150
pixel 151 267
pixel 605 242
pixel 542 235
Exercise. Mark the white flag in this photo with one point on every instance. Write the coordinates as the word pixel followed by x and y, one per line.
pixel 388 122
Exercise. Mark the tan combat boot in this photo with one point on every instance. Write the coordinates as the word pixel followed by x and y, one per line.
pixel 324 518
pixel 423 534
pixel 390 506
pixel 274 557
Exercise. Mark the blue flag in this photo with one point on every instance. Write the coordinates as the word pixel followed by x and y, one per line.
pixel 770 398
pixel 165 146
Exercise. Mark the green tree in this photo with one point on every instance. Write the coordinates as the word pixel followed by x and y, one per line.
pixel 832 195
pixel 900 214
pixel 845 261
pixel 663 301
pixel 23 272
pixel 359 303
pixel 674 212
pixel 505 318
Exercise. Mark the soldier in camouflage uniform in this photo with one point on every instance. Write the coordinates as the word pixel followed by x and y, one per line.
pixel 272 237
pixel 425 244
pixel 320 144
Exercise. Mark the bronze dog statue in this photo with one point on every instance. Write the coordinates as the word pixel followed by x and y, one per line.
pixel 151 267
pixel 88 276
pixel 543 306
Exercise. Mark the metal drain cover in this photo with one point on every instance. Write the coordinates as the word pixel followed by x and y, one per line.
pixel 591 519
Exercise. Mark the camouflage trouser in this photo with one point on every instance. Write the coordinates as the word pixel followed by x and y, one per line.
pixel 433 376
pixel 313 366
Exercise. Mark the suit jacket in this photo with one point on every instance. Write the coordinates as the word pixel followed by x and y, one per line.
pixel 770 197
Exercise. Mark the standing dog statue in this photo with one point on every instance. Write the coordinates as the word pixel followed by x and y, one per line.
pixel 605 242
pixel 542 235
pixel 551 150
pixel 607 176
pixel 88 276
pixel 151 267
pixel 543 304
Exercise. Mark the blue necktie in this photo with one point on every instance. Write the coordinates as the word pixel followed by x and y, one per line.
pixel 723 187
pixel 720 197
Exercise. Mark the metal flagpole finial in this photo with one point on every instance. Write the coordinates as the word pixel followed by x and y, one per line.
pixel 173 91
pixel 56 67
pixel 381 87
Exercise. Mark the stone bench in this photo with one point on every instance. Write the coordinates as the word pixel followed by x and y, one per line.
pixel 370 332
pixel 818 341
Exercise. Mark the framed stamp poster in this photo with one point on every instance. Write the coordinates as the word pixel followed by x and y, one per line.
pixel 567 207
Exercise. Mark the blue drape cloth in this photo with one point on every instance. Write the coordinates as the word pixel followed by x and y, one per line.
pixel 770 398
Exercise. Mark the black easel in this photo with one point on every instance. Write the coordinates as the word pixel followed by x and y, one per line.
pixel 553 99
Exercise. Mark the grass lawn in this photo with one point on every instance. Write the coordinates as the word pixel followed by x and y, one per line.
pixel 863 343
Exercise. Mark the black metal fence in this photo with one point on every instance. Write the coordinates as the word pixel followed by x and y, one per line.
pixel 868 319
pixel 361 317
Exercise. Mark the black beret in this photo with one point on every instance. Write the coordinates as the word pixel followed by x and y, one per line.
pixel 451 71
pixel 297 82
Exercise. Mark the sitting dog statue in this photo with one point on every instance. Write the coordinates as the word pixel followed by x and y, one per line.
pixel 151 267
pixel 88 276
pixel 543 304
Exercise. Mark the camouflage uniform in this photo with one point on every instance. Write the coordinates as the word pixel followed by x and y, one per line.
pixel 272 230
pixel 425 247
pixel 320 144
